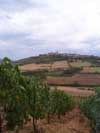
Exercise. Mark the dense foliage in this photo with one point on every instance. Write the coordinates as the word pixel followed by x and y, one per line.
pixel 91 108
pixel 24 97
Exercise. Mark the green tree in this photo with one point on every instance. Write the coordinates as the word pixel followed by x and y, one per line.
pixel 35 94
pixel 60 102
pixel 91 108
pixel 11 89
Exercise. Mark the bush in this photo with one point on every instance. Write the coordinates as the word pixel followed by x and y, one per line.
pixel 91 108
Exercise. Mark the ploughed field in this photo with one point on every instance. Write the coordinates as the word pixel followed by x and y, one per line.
pixel 80 79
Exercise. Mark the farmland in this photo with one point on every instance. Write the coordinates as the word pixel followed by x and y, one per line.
pixel 55 69
pixel 57 73
pixel 58 86
pixel 49 66
pixel 80 64
pixel 91 70
pixel 53 66
pixel 77 79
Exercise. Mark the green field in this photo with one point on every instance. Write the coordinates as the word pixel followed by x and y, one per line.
pixel 91 70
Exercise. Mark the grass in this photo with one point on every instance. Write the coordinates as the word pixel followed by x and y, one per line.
pixel 91 70
pixel 80 64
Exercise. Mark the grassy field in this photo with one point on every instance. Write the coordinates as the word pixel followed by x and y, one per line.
pixel 91 70
pixel 80 64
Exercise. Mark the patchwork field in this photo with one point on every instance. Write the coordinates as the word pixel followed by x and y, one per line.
pixel 56 75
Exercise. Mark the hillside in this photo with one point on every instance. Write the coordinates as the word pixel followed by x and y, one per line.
pixel 0 60
pixel 63 69
pixel 52 57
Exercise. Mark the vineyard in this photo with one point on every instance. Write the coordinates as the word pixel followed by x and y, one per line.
pixel 22 98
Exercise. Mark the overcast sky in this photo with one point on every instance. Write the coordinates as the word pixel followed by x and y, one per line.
pixel 31 27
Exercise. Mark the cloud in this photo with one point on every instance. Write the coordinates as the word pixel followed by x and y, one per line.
pixel 31 27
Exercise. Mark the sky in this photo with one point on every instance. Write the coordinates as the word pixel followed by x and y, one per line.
pixel 32 27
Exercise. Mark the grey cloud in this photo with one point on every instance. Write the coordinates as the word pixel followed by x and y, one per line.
pixel 31 27
pixel 20 5
pixel 94 40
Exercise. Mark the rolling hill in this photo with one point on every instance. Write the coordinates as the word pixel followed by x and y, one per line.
pixel 52 57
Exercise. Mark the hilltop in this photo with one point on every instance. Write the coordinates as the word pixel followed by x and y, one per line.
pixel 52 57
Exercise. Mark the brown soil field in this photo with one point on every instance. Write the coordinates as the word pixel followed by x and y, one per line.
pixel 83 79
pixel 55 65
pixel 77 92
